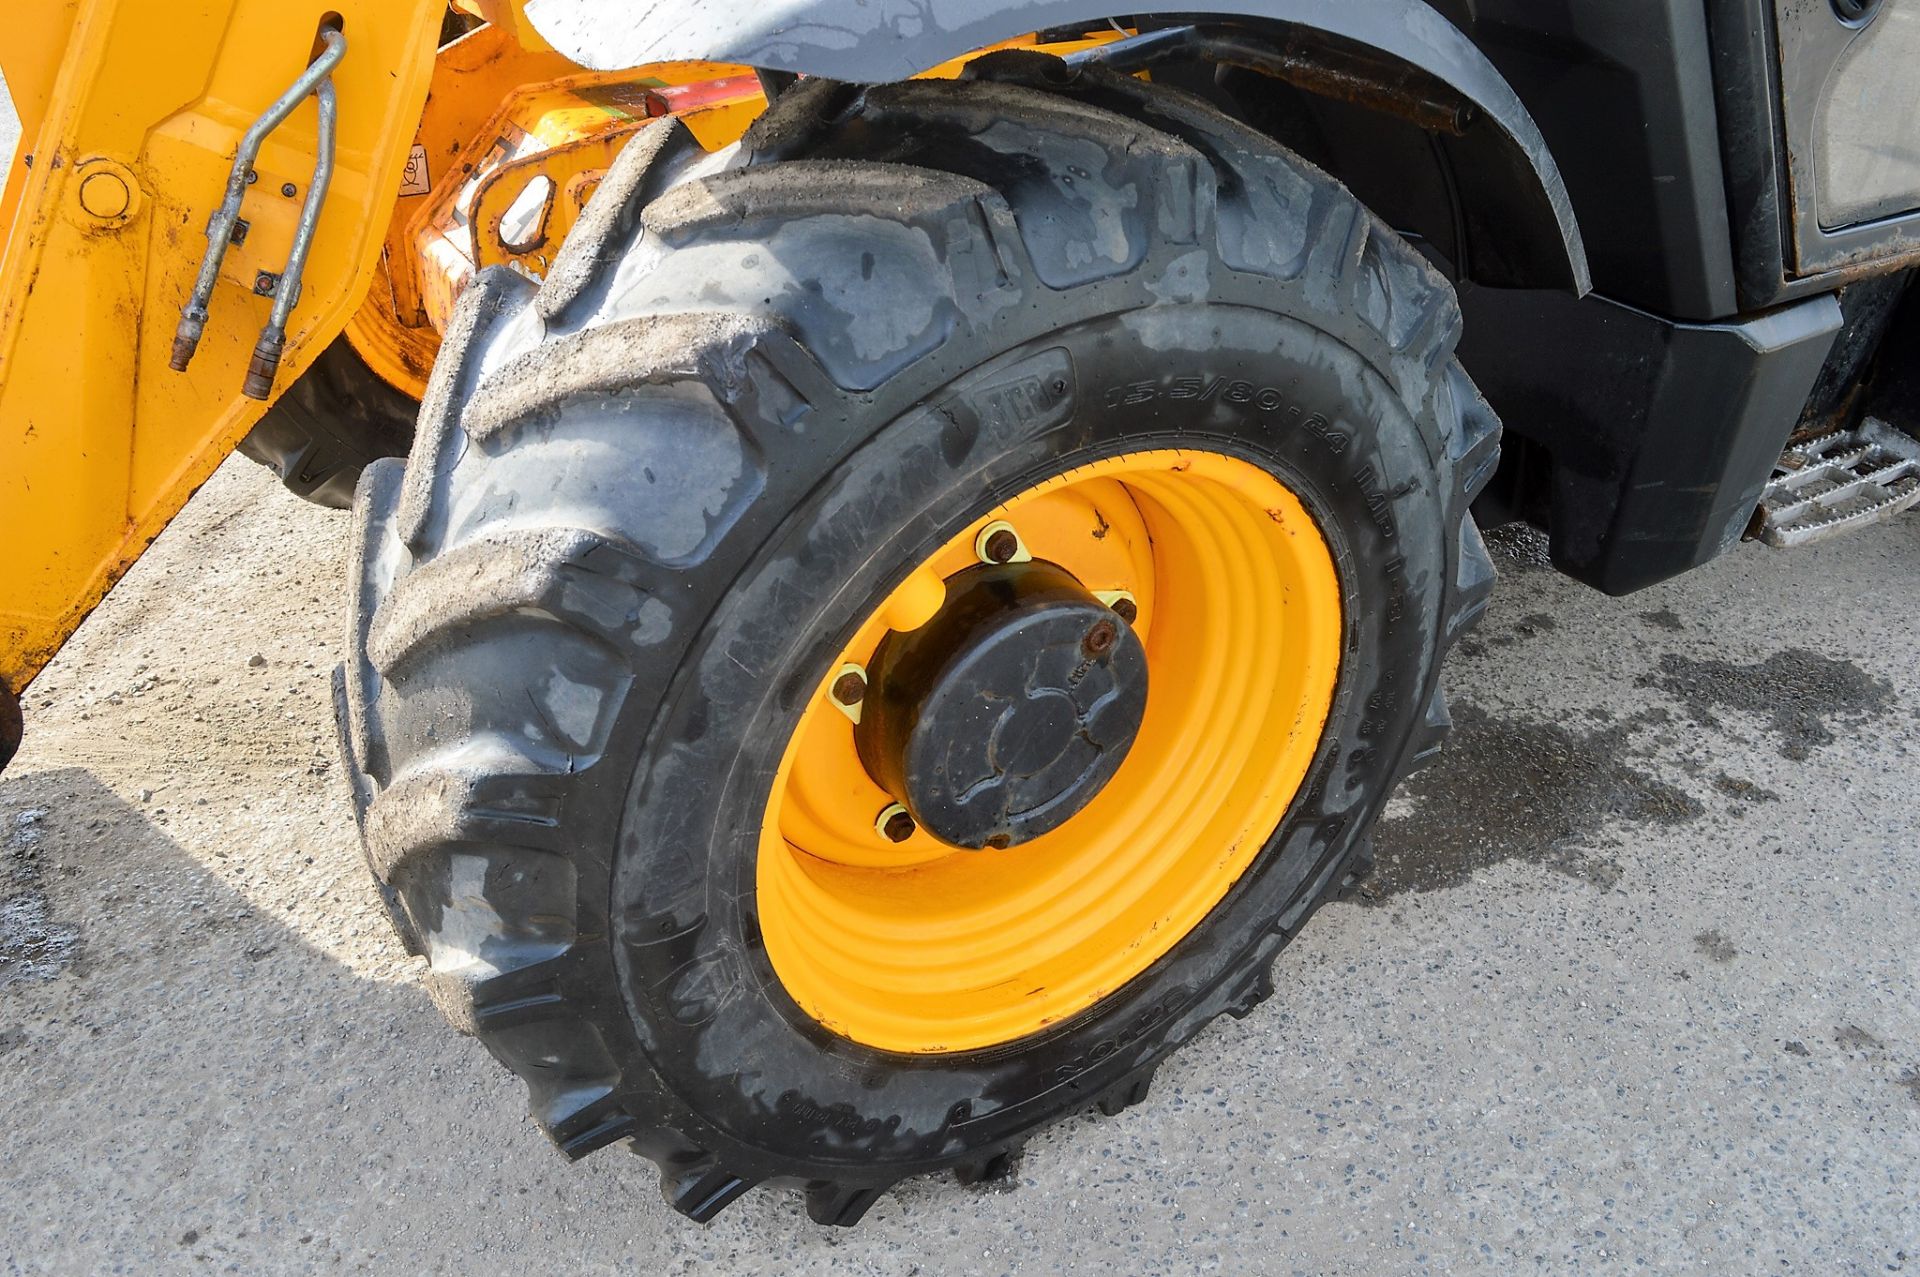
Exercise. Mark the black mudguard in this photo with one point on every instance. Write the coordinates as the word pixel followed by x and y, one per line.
pixel 1526 222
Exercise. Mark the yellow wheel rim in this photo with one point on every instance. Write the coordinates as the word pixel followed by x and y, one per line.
pixel 919 946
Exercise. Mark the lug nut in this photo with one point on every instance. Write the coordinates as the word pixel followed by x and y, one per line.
pixel 1000 842
pixel 847 690
pixel 1099 639
pixel 895 824
pixel 850 688
pixel 999 543
pixel 1127 610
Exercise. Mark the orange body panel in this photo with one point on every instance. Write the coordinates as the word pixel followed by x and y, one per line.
pixel 131 139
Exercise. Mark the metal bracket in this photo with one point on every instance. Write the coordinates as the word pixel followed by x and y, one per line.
pixel 1838 483
pixel 1377 84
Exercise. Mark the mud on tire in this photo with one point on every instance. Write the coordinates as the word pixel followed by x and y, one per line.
pixel 649 501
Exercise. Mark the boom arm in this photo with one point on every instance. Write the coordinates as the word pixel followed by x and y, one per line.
pixel 129 141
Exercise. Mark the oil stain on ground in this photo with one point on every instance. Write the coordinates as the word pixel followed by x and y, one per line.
pixel 33 945
pixel 1851 1037
pixel 1530 626
pixel 1745 790
pixel 1800 694
pixel 1712 944
pixel 1517 789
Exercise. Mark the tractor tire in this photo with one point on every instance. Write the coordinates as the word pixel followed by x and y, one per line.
pixel 655 500
pixel 329 425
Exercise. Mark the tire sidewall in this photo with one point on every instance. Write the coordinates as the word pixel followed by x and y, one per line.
pixel 709 1013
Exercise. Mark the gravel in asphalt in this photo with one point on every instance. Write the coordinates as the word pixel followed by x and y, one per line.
pixel 1633 988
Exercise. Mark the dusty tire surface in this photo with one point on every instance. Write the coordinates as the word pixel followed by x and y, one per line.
pixel 647 504
pixel 329 425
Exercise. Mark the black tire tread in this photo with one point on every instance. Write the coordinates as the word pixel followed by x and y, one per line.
pixel 610 215
pixel 429 591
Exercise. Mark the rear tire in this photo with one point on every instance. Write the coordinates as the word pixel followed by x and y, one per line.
pixel 337 418
pixel 646 510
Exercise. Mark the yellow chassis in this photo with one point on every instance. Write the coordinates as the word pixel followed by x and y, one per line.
pixel 131 111
pixel 131 114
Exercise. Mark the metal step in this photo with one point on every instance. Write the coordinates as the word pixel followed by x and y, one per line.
pixel 1840 483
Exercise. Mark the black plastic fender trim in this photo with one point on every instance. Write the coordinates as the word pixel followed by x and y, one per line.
pixel 1526 236
pixel 1661 433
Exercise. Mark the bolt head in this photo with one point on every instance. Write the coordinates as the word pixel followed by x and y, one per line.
pixel 1127 610
pixel 289 190
pixel 899 826
pixel 1099 640
pixel 105 195
pixel 1001 546
pixel 265 282
pixel 850 688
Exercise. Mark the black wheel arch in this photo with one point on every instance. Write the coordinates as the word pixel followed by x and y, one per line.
pixel 327 426
pixel 1493 190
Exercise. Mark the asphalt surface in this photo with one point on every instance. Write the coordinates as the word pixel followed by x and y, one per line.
pixel 1635 989
pixel 1634 992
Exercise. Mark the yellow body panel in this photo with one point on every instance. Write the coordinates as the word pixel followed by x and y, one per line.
pixel 500 116
pixel 393 331
pixel 131 112
pixel 30 59
pixel 509 18
pixel 100 443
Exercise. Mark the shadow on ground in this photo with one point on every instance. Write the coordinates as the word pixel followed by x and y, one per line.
pixel 167 1033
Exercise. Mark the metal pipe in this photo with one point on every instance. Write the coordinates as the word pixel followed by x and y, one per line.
pixel 273 338
pixel 1137 52
pixel 193 316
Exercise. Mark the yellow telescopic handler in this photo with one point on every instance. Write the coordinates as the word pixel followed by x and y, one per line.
pixel 899 550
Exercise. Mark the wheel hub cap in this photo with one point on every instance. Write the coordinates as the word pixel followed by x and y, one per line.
pixel 1006 714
